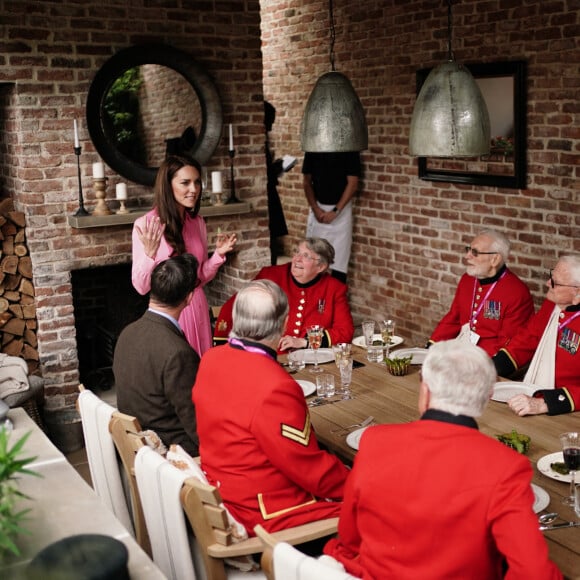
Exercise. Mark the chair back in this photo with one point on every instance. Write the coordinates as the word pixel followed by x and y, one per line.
pixel 125 431
pixel 159 484
pixel 103 461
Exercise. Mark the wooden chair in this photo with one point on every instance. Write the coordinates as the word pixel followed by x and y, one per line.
pixel 125 431
pixel 281 555
pixel 204 508
pixel 171 498
pixel 104 464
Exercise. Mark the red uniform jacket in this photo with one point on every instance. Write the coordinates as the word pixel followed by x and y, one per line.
pixel 521 349
pixel 432 500
pixel 500 314
pixel 322 301
pixel 257 443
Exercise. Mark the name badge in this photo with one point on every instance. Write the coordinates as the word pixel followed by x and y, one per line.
pixel 473 337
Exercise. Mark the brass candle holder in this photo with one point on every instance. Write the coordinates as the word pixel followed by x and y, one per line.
pixel 122 209
pixel 100 187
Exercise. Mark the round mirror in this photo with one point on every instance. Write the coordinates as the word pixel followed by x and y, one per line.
pixel 148 101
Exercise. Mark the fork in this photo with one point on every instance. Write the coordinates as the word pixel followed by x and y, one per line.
pixel 362 424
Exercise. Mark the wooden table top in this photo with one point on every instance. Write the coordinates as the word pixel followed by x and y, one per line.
pixel 391 399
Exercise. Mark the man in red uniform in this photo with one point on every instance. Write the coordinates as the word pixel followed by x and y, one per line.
pixel 435 498
pixel 491 303
pixel 256 441
pixel 314 297
pixel 551 340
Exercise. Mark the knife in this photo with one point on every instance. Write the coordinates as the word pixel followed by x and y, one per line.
pixel 559 526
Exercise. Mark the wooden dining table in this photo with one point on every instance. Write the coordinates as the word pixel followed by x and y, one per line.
pixel 393 399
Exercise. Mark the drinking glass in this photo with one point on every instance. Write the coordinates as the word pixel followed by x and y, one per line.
pixel 339 350
pixel 571 448
pixel 325 386
pixel 296 360
pixel 315 333
pixel 345 367
pixel 387 332
pixel 368 330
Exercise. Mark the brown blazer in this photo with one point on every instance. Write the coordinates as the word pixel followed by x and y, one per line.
pixel 155 368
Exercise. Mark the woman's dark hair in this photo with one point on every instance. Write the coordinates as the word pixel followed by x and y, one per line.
pixel 165 203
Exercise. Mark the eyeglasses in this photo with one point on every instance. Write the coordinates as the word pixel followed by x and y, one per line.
pixel 554 284
pixel 475 252
pixel 306 257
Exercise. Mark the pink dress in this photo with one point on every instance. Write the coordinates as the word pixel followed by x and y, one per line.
pixel 194 319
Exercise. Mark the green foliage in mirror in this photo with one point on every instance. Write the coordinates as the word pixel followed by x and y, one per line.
pixel 121 107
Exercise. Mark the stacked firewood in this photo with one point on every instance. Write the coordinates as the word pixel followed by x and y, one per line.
pixel 17 306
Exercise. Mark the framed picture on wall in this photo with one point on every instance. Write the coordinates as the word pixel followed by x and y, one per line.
pixel 503 85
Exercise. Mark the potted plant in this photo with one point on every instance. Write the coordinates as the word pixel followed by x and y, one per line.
pixel 12 466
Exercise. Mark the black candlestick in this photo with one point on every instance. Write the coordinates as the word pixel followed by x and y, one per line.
pixel 81 210
pixel 232 198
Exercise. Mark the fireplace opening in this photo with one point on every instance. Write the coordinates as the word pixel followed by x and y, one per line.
pixel 104 302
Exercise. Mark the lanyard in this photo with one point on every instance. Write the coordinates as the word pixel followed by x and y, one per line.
pixel 237 343
pixel 475 313
pixel 567 322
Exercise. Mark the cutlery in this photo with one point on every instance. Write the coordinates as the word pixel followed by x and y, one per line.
pixel 319 401
pixel 559 526
pixel 364 423
pixel 547 519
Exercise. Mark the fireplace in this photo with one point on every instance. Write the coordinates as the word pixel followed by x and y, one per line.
pixel 104 302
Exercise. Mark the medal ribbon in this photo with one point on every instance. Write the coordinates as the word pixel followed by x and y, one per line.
pixel 475 314
pixel 236 342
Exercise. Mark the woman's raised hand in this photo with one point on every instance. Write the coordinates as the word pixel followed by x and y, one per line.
pixel 225 243
pixel 151 235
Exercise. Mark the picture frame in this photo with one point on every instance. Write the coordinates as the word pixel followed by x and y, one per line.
pixel 503 85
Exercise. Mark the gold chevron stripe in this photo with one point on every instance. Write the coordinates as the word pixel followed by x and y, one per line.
pixel 301 436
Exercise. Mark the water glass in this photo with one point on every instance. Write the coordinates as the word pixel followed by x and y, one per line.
pixel 368 330
pixel 375 353
pixel 296 360
pixel 325 385
pixel 345 367
pixel 577 499
pixel 339 350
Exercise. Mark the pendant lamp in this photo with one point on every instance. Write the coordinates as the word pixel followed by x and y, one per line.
pixel 334 119
pixel 450 118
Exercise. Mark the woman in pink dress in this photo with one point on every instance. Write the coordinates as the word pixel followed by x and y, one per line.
pixel 174 227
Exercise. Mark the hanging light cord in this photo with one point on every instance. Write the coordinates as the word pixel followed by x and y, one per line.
pixel 332 34
pixel 449 33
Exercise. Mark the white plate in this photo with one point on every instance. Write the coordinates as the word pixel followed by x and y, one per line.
pixel 505 390
pixel 418 354
pixel 308 387
pixel 323 355
pixel 541 498
pixel 543 466
pixel 353 438
pixel 360 340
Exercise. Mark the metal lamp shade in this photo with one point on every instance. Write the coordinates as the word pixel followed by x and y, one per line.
pixel 450 118
pixel 334 120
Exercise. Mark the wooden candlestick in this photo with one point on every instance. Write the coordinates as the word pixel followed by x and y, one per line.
pixel 100 186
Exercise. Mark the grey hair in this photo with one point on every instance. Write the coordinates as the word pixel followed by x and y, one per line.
pixel 460 377
pixel 499 244
pixel 573 263
pixel 322 248
pixel 260 311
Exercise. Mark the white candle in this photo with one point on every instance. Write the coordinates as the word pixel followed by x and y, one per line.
pixel 231 138
pixel 77 144
pixel 98 170
pixel 121 190
pixel 216 181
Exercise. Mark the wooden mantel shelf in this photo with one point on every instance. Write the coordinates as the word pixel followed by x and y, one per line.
pixel 117 219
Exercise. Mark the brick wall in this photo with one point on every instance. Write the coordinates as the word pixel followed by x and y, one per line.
pixel 409 233
pixel 49 53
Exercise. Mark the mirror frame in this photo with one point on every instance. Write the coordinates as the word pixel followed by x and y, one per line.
pixel 182 63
